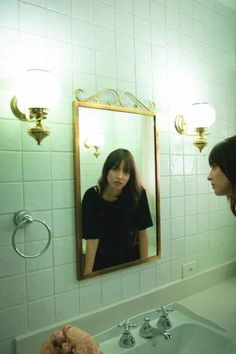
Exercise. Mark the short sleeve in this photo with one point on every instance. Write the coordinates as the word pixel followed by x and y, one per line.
pixel 143 216
pixel 90 214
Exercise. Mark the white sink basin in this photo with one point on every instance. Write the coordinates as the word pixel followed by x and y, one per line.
pixel 190 334
pixel 187 338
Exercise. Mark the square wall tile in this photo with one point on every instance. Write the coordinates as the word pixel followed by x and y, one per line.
pixel 67 305
pixel 63 222
pixel 36 230
pixel 35 290
pixel 124 21
pixel 83 33
pixel 65 277
pixel 7 227
pixel 176 269
pixel 36 166
pixel 62 6
pixel 83 59
pixel 64 250
pixel 178 248
pixel 10 163
pixel 191 205
pixel 90 295
pixel 105 64
pixel 38 263
pixel 8 296
pixel 58 26
pixel 15 322
pixel 147 277
pixel 191 246
pixel 177 186
pixel 177 227
pixel 177 207
pixel 126 68
pixel 32 19
pixel 111 289
pixel 191 225
pixel 83 10
pixel 105 40
pixel 63 194
pixel 142 29
pixel 176 164
pixel 38 195
pixel 104 14
pixel 190 185
pixel 62 165
pixel 62 138
pixel 158 14
pixel 163 274
pixel 11 197
pixel 8 13
pixel 41 313
pixel 10 135
pixel 130 283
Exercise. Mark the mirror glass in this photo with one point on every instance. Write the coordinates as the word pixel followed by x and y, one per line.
pixel 100 129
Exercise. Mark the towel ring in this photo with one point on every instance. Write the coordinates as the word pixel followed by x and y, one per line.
pixel 21 218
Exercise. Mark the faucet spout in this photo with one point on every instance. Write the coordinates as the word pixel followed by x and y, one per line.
pixel 164 322
pixel 167 335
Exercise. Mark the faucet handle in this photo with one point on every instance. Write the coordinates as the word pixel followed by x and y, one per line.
pixel 127 324
pixel 164 310
pixel 164 322
pixel 127 340
pixel 147 331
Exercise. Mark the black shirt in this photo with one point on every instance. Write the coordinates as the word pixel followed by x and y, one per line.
pixel 116 225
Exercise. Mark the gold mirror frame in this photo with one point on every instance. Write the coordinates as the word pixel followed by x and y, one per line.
pixel 111 100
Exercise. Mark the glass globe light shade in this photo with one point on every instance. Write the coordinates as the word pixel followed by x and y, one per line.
pixel 37 88
pixel 200 115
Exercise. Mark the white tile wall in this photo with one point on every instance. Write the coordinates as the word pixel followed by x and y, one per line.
pixel 169 51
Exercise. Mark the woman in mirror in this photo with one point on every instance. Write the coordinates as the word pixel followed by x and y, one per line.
pixel 115 215
pixel 222 176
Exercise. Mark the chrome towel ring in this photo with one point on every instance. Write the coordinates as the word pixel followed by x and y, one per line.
pixel 21 218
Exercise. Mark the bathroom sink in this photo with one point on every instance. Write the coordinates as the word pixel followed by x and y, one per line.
pixel 190 334
pixel 187 339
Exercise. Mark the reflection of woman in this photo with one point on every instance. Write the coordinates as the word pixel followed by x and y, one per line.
pixel 115 215
pixel 222 176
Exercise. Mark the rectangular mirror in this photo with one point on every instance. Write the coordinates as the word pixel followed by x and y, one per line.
pixel 102 124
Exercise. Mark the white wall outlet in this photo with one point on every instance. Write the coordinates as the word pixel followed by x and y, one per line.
pixel 189 269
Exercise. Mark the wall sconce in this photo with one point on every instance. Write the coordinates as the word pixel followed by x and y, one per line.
pixel 198 119
pixel 94 142
pixel 36 91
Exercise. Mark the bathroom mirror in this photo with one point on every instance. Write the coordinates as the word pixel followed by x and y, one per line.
pixel 104 122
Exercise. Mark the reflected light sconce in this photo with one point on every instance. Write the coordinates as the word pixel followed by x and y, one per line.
pixel 198 118
pixel 36 91
pixel 94 142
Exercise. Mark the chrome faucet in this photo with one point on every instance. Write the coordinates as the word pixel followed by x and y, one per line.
pixel 147 331
pixel 127 340
pixel 164 323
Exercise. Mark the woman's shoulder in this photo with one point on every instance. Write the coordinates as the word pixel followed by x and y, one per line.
pixel 92 192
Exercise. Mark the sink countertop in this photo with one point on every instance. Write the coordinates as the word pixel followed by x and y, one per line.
pixel 217 304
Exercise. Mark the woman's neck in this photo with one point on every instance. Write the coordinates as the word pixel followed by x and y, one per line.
pixel 110 194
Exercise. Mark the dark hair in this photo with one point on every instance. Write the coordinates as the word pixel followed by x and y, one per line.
pixel 223 155
pixel 114 159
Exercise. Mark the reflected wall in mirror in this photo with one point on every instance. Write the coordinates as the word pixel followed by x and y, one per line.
pixel 104 122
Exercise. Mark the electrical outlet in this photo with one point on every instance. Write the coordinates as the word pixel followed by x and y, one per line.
pixel 189 269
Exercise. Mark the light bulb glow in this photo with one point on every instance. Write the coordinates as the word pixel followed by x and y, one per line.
pixel 37 88
pixel 200 115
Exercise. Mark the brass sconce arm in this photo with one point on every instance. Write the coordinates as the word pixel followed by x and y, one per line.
pixel 38 131
pixel 37 90
pixel 201 117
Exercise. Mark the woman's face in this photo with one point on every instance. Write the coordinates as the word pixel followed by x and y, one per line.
pixel 219 181
pixel 118 177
